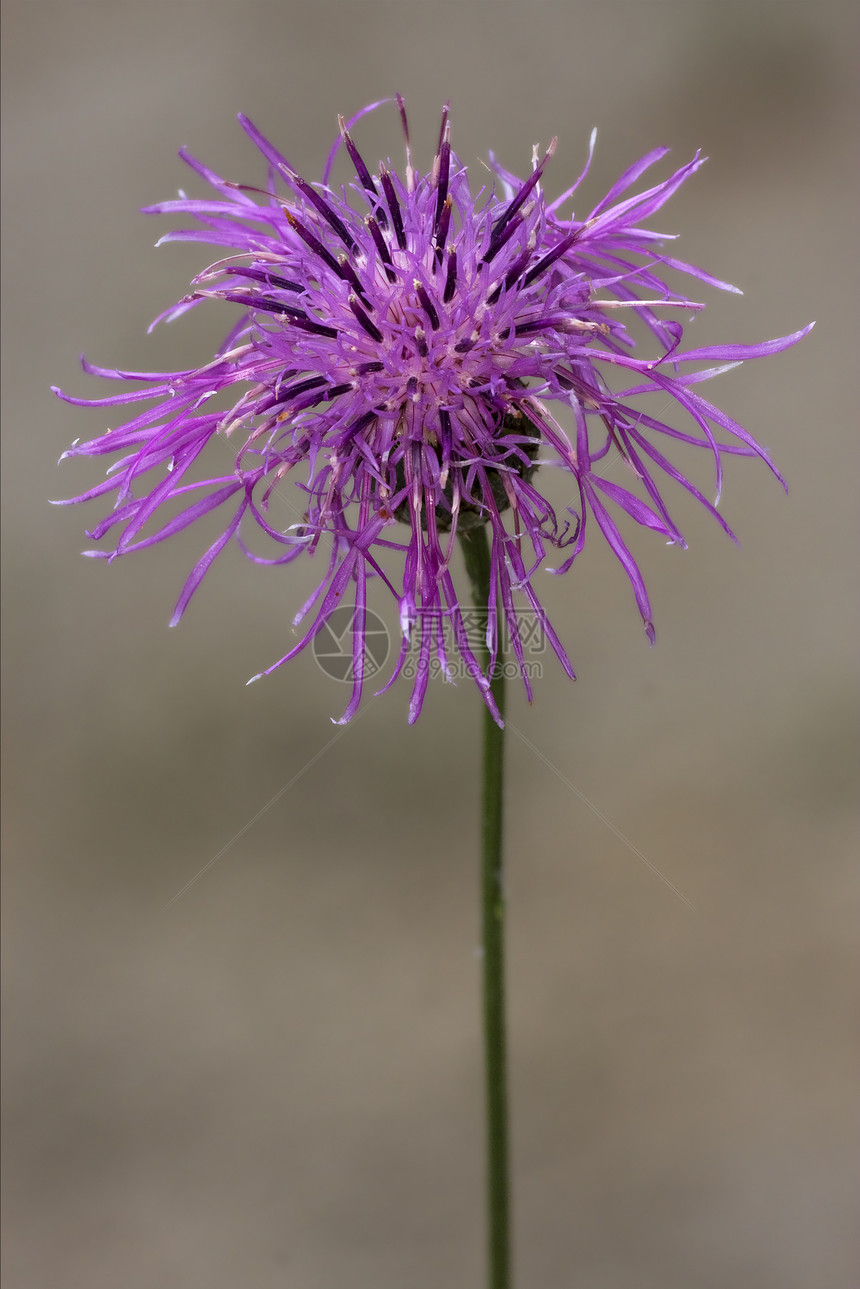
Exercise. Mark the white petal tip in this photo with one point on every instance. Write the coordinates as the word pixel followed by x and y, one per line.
pixel 253 678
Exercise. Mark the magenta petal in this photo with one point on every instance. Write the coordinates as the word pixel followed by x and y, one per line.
pixel 624 557
pixel 737 353
pixel 201 568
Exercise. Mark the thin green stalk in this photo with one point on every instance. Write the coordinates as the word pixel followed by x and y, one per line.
pixel 477 554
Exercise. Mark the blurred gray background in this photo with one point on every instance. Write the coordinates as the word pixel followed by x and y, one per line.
pixel 277 1081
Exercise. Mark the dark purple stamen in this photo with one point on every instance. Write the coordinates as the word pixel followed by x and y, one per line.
pixel 382 247
pixel 262 302
pixel 325 210
pixel 394 207
pixel 292 391
pixel 349 275
pixel 401 107
pixel 426 304
pixel 444 167
pixel 499 238
pixel 311 240
pixel 463 346
pixel 364 368
pixel 517 267
pixel 339 389
pixel 540 324
pixel 555 254
pixel 410 174
pixel 523 193
pixel 357 160
pixel 296 316
pixel 263 275
pixel 371 329
pixel 442 226
pixel 511 276
pixel 450 278
pixel 315 328
pixel 421 341
pixel 356 428
pixel 445 436
pixel 443 128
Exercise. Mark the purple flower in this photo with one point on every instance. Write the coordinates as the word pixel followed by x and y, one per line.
pixel 399 348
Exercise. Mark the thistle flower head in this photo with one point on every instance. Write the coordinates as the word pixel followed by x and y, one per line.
pixel 401 350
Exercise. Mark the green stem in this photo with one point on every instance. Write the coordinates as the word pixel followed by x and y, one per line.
pixel 476 550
